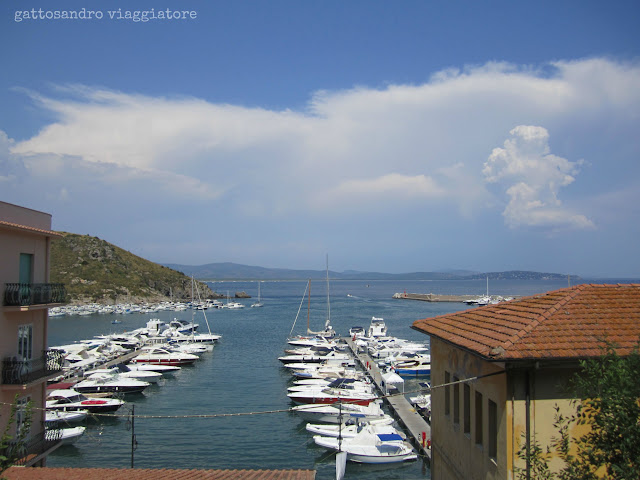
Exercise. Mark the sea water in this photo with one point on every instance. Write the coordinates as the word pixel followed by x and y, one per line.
pixel 230 409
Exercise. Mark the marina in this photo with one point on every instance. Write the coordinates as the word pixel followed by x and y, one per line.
pixel 412 421
pixel 230 409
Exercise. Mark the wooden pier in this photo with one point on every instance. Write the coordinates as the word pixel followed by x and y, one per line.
pixel 402 410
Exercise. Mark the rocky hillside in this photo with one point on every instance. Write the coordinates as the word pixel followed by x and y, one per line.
pixel 94 270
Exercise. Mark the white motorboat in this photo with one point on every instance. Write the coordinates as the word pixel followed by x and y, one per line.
pixel 199 338
pixel 65 417
pixel 356 332
pixel 70 400
pixel 420 366
pixel 353 384
pixel 300 366
pixel 151 367
pixel 124 371
pixel 312 341
pixel 67 436
pixel 162 356
pixel 369 447
pixel 111 383
pixel 342 390
pixel 316 349
pixel 377 328
pixel 324 372
pixel 328 358
pixel 334 413
pixel 193 348
pixel 182 326
pixel 232 305
pixel 351 429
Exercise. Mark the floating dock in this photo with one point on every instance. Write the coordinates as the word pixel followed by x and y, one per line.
pixel 402 410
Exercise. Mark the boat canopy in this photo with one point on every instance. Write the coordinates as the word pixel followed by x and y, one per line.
pixel 389 437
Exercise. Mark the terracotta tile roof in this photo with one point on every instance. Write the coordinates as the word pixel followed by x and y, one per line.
pixel 21 473
pixel 17 226
pixel 566 323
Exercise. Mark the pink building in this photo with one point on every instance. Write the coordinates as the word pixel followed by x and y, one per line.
pixel 26 365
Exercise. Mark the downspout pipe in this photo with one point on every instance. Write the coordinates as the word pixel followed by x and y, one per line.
pixel 527 403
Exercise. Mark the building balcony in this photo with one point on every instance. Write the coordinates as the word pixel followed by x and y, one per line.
pixel 29 294
pixel 23 372
pixel 35 448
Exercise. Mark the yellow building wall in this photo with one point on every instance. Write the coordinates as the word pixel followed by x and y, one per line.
pixel 456 454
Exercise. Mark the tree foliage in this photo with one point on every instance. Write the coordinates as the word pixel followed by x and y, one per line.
pixel 11 446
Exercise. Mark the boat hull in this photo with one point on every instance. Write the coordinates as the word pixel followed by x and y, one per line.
pixel 111 389
pixel 172 362
pixel 329 400
pixel 413 372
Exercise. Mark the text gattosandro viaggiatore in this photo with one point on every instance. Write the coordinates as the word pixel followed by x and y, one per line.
pixel 118 14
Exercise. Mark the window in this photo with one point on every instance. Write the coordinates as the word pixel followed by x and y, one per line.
pixel 456 401
pixel 479 431
pixel 467 409
pixel 25 342
pixel 447 393
pixel 26 267
pixel 493 430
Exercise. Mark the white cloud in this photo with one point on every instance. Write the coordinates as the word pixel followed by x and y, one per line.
pixel 533 178
pixel 420 146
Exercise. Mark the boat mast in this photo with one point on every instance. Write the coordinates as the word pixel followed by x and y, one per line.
pixel 328 298
pixel 309 306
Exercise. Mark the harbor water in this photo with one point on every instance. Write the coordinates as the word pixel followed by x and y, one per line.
pixel 230 409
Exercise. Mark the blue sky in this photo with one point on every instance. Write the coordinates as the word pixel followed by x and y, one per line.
pixel 393 136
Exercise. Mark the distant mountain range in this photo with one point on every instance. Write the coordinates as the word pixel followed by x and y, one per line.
pixel 235 271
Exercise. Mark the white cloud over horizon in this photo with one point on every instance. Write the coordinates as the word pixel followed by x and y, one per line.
pixel 350 155
pixel 534 177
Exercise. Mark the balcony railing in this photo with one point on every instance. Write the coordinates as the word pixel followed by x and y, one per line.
pixel 21 372
pixel 22 294
pixel 25 453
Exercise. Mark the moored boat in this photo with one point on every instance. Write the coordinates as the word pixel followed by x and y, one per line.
pixel 162 356
pixel 69 400
pixel 369 447
pixel 110 383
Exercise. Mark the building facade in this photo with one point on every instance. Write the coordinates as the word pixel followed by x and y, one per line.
pixel 25 238
pixel 501 371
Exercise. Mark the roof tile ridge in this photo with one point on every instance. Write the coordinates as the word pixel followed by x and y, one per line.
pixel 538 319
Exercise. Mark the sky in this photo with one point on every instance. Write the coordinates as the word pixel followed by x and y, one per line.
pixel 391 136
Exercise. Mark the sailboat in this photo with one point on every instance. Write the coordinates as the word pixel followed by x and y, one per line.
pixel 259 302
pixel 328 331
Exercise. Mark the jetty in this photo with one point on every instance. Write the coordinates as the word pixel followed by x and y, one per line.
pixel 414 423
pixel 434 297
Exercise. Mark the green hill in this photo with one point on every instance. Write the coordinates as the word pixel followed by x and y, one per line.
pixel 94 270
